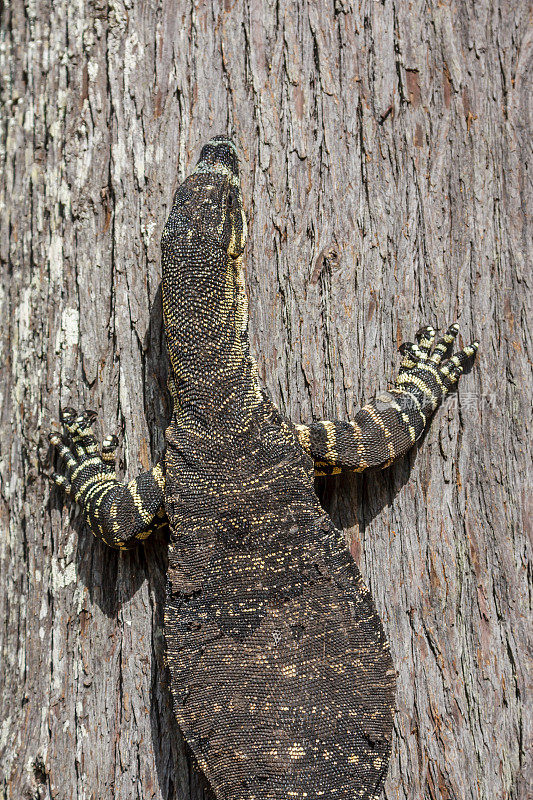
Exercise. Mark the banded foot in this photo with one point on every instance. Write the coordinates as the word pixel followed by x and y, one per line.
pixel 82 460
pixel 427 372
pixel 119 515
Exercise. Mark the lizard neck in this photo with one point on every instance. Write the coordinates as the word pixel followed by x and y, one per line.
pixel 214 377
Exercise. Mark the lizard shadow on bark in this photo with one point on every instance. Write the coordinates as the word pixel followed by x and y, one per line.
pixel 96 566
pixel 354 500
pixel 111 577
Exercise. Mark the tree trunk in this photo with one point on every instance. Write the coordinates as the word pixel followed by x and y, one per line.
pixel 385 164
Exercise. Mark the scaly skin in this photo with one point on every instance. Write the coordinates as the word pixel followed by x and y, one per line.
pixel 281 675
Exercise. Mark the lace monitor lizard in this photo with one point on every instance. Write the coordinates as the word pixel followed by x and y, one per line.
pixel 281 676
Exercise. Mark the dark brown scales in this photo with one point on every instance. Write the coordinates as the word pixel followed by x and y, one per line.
pixel 280 672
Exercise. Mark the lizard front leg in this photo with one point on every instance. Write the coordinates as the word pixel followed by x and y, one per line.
pixel 118 514
pixel 389 425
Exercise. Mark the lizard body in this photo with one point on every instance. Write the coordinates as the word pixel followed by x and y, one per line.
pixel 281 675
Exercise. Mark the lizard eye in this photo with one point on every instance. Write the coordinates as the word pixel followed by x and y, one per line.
pixel 231 202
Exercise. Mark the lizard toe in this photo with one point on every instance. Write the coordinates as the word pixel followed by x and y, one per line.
pixel 444 344
pixel 63 451
pixel 67 416
pixel 425 336
pixel 60 481
pixel 81 434
pixel 109 446
pixel 456 365
pixel 411 355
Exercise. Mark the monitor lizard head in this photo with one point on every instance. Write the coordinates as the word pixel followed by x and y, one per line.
pixel 219 160
pixel 208 205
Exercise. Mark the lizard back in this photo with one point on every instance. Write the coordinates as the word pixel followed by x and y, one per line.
pixel 281 675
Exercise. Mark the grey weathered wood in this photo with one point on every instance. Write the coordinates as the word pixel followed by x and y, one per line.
pixel 394 133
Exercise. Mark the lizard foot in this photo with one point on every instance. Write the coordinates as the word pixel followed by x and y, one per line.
pixel 426 371
pixel 77 447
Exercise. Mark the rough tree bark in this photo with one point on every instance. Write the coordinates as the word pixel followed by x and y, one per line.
pixel 391 135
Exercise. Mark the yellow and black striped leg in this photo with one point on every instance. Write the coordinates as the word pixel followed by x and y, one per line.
pixel 389 425
pixel 118 514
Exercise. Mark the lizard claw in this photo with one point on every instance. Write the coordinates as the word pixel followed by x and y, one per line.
pixel 411 355
pixel 84 420
pixel 455 366
pixel 110 443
